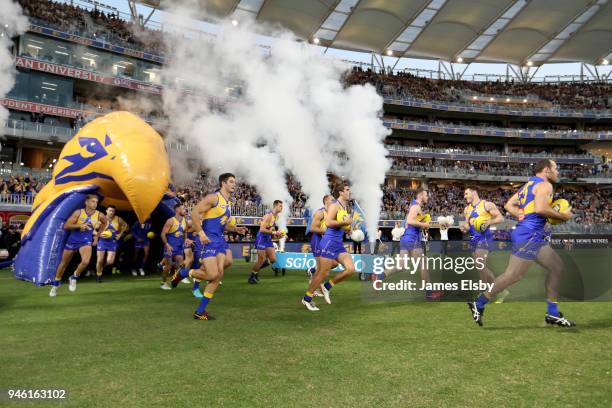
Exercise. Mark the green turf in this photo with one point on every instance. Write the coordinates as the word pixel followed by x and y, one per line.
pixel 125 343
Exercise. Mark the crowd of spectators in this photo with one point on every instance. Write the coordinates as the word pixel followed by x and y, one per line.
pixel 95 24
pixel 494 168
pixel 589 206
pixel 19 189
pixel 571 95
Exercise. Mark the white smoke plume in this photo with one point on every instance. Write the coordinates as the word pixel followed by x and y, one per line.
pixel 291 114
pixel 12 23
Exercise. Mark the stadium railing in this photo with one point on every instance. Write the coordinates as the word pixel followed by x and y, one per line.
pixel 495 131
pixel 17 199
pixel 452 153
pixel 496 110
pixel 38 131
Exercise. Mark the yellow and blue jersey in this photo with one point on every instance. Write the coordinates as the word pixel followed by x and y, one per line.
pixel 214 219
pixel 335 233
pixel 262 240
pixel 176 232
pixel 529 218
pixel 475 211
pixel 411 233
pixel 113 227
pixel 81 237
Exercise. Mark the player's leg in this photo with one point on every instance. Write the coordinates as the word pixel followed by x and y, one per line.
pixel 214 268
pixel 514 272
pixel 144 260
pixel 483 271
pixel 85 252
pixel 325 266
pixel 188 262
pixel 100 256
pixel 403 254
pixel 346 261
pixel 61 268
pixel 110 258
pixel 262 262
pixel 135 261
pixel 548 259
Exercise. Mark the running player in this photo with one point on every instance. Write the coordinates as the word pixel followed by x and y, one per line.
pixel 331 248
pixel 481 241
pixel 141 242
pixel 531 205
pixel 211 216
pixel 410 243
pixel 82 226
pixel 107 246
pixel 266 255
pixel 173 237
pixel 317 229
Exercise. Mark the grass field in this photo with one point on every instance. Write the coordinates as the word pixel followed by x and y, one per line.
pixel 126 343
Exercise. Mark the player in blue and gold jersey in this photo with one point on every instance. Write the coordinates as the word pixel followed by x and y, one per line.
pixel 531 205
pixel 211 217
pixel 108 240
pixel 140 232
pixel 82 225
pixel 317 229
pixel 173 237
pixel 338 221
pixel 480 215
pixel 268 230
pixel 410 242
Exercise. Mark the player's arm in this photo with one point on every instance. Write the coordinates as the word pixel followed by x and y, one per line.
pixel 542 207
pixel 123 227
pixel 231 226
pixel 465 227
pixel 73 223
pixel 163 233
pixel 496 215
pixel 204 205
pixel 331 221
pixel 512 206
pixel 411 219
pixel 315 225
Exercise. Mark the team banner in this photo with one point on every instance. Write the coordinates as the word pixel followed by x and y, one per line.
pixel 304 261
pixel 72 72
pixel 42 108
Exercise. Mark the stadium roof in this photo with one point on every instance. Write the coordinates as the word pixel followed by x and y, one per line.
pixel 522 32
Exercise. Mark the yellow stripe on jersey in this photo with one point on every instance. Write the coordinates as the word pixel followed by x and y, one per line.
pixel 176 225
pixel 480 210
pixel 219 210
pixel 95 217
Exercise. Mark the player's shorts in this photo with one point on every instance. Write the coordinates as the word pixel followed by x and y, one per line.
pixel 410 244
pixel 314 245
pixel 76 245
pixel 330 248
pixel 263 241
pixel 213 249
pixel 177 250
pixel 481 244
pixel 141 243
pixel 526 243
pixel 107 244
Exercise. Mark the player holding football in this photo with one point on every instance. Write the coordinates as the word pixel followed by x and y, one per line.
pixel 410 243
pixel 531 205
pixel 83 225
pixel 211 217
pixel 481 237
pixel 268 230
pixel 173 237
pixel 108 240
pixel 331 249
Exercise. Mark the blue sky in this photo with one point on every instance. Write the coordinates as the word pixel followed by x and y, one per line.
pixel 500 69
